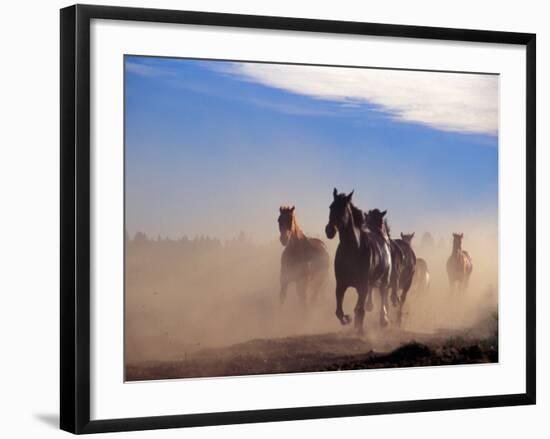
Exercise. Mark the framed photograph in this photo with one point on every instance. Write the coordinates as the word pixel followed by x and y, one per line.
pixel 268 218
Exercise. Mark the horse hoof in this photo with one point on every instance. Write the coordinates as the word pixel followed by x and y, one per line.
pixel 346 319
pixel 384 322
pixel 394 300
pixel 368 306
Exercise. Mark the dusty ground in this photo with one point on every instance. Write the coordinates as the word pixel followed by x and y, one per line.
pixel 329 352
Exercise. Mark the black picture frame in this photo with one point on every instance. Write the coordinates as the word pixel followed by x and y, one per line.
pixel 75 217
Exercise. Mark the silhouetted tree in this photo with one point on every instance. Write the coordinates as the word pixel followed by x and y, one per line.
pixel 140 238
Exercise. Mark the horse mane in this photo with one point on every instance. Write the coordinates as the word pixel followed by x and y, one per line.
pixel 358 215
pixel 387 226
pixel 295 227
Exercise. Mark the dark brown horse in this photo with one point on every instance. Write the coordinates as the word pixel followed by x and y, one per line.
pixel 304 261
pixel 459 265
pixel 404 275
pixel 362 260
pixel 403 260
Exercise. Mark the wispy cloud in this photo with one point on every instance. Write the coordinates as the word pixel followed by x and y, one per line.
pixel 146 69
pixel 445 101
pixel 289 108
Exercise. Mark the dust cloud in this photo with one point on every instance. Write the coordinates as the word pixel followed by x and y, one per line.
pixel 185 295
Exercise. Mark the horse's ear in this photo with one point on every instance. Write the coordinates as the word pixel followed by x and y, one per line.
pixel 412 235
pixel 402 236
pixel 350 195
pixel 334 193
pixel 462 235
pixel 384 212
pixel 281 209
pixel 292 208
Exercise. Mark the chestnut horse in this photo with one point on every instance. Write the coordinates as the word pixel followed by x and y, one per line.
pixel 362 261
pixel 304 260
pixel 459 265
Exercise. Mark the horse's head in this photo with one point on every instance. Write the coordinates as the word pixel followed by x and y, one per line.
pixel 375 219
pixel 457 240
pixel 340 213
pixel 407 237
pixel 285 220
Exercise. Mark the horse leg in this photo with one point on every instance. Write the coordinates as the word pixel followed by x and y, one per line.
pixel 404 293
pixel 466 278
pixel 384 306
pixel 460 282
pixel 317 285
pixel 425 282
pixel 301 288
pixel 360 309
pixel 394 298
pixel 340 291
pixel 369 305
pixel 282 293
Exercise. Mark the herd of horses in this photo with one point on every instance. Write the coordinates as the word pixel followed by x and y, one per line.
pixel 366 258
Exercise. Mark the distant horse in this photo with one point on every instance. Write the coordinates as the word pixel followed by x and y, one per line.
pixel 427 242
pixel 459 264
pixel 421 280
pixel 304 261
pixel 362 261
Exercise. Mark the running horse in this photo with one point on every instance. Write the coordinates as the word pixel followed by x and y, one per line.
pixel 410 264
pixel 421 277
pixel 421 280
pixel 459 264
pixel 304 261
pixel 403 260
pixel 362 261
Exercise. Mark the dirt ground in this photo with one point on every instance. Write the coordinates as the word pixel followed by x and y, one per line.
pixel 329 352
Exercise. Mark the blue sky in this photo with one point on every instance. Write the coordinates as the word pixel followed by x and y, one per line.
pixel 215 147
